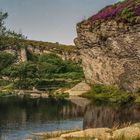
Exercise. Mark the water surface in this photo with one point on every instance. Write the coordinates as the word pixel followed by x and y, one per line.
pixel 19 117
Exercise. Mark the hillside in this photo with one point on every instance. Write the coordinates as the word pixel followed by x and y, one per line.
pixel 21 48
pixel 28 64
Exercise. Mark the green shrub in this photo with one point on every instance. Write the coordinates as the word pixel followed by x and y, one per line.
pixel 138 90
pixel 25 84
pixel 6 59
pixel 137 101
pixel 4 82
pixel 46 67
pixel 127 14
pixel 109 94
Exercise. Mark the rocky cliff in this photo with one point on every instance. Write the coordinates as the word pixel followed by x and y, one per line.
pixel 110 49
pixel 22 48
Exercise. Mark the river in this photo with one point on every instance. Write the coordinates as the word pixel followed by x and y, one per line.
pixel 20 117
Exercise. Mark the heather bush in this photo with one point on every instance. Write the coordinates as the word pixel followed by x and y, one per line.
pixel 126 11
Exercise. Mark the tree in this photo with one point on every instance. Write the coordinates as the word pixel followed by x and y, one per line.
pixel 3 16
pixel 6 59
pixel 6 32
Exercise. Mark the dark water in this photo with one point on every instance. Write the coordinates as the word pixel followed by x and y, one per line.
pixel 19 117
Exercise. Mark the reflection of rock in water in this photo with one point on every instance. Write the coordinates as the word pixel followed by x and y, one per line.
pixel 73 111
pixel 101 116
pixel 76 107
pixel 79 101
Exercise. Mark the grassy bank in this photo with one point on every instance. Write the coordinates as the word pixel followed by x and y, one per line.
pixel 111 95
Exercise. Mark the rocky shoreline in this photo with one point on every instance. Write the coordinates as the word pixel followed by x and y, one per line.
pixel 77 90
pixel 130 132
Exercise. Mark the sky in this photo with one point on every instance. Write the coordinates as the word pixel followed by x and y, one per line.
pixel 50 20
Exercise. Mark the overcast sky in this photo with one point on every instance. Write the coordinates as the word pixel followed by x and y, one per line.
pixel 49 20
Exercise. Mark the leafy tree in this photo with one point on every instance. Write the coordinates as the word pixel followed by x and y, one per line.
pixel 46 67
pixel 6 32
pixel 6 59
pixel 50 58
pixel 3 16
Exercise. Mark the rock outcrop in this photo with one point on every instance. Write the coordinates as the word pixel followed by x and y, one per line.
pixel 128 133
pixel 110 52
pixel 79 89
pixel 22 48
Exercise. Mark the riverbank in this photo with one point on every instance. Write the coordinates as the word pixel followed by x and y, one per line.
pixel 45 115
pixel 61 93
pixel 34 93
pixel 99 94
pixel 130 132
pixel 102 94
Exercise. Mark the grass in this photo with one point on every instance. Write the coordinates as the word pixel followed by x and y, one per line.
pixel 137 101
pixel 5 93
pixel 81 138
pixel 59 96
pixel 123 138
pixel 90 138
pixel 56 134
pixel 109 95
pixel 19 43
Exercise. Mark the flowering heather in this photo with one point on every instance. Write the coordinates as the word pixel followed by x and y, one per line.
pixel 137 10
pixel 126 10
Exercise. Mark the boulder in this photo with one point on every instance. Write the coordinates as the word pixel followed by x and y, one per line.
pixel 99 133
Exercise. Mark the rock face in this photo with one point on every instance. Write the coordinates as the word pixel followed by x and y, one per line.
pixel 131 132
pixel 110 53
pixel 23 48
pixel 79 89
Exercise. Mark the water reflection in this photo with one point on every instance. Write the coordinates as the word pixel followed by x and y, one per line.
pixel 22 116
pixel 19 117
pixel 106 116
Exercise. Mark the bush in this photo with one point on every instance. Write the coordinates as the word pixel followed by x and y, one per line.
pixel 46 67
pixel 126 10
pixel 25 84
pixel 137 101
pixel 6 59
pixel 4 82
pixel 109 94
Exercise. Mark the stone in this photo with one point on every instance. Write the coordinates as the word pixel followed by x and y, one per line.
pixel 67 52
pixel 131 132
pixel 56 139
pixel 127 133
pixel 110 53
pixel 99 133
pixel 79 89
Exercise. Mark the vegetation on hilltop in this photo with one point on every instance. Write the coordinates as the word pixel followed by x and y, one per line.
pixel 126 11
pixel 15 43
pixel 15 40
pixel 6 59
